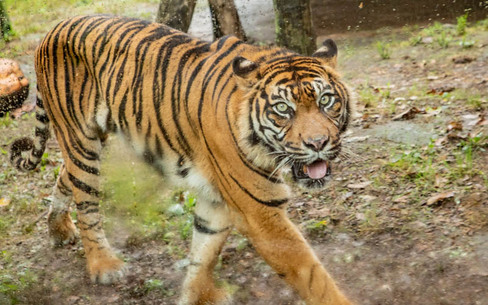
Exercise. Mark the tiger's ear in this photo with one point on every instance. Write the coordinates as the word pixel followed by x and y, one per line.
pixel 328 52
pixel 245 70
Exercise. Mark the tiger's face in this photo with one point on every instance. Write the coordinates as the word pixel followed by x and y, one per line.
pixel 298 111
pixel 301 121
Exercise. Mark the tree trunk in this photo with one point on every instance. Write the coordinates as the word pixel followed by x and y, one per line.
pixel 225 19
pixel 176 13
pixel 5 27
pixel 293 23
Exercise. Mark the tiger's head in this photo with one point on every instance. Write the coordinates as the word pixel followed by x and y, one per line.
pixel 296 110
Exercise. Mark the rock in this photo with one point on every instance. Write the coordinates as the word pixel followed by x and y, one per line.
pixel 14 87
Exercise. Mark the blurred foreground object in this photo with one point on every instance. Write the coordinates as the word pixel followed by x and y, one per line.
pixel 14 87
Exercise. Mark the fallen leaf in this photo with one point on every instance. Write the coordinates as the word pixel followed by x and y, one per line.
pixel 359 185
pixel 4 202
pixel 367 198
pixel 408 114
pixel 440 181
pixel 319 213
pixel 356 139
pixel 456 136
pixel 482 120
pixel 360 216
pixel 439 197
pixel 454 125
pixel 441 90
pixel 402 199
pixel 441 141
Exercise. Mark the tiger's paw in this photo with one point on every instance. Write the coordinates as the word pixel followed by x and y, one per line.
pixel 105 268
pixel 208 296
pixel 61 228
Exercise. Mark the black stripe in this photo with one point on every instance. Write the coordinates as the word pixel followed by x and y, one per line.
pixel 83 186
pixel 88 227
pixel 262 172
pixel 201 226
pixel 83 205
pixel 65 190
pixel 269 203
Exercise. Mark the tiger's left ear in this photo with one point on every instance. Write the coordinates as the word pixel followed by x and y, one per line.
pixel 246 71
pixel 328 52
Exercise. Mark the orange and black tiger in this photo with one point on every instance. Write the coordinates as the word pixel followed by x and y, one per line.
pixel 226 118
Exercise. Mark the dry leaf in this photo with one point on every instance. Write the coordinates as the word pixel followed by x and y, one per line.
pixel 408 114
pixel 440 181
pixel 4 202
pixel 482 120
pixel 359 185
pixel 319 213
pixel 439 197
pixel 456 136
pixel 441 90
pixel 402 199
pixel 454 125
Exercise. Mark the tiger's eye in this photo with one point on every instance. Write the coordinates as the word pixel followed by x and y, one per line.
pixel 281 107
pixel 324 100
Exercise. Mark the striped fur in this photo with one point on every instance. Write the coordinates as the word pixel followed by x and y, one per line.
pixel 224 118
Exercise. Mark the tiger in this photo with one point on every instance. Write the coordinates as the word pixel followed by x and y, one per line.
pixel 230 120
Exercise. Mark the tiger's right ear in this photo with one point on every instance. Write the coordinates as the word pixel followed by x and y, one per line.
pixel 246 71
pixel 328 52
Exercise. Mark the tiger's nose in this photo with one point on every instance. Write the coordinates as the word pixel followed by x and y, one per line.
pixel 317 143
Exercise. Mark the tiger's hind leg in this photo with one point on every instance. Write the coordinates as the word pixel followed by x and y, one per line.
pixel 61 227
pixel 82 159
pixel 211 228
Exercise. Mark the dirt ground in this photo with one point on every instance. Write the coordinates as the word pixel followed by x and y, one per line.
pixel 404 220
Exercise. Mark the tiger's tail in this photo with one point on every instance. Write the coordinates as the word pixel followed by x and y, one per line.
pixel 36 146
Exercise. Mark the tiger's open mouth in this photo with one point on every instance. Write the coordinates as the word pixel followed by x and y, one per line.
pixel 311 175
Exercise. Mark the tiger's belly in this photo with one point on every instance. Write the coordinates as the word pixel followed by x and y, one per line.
pixel 175 170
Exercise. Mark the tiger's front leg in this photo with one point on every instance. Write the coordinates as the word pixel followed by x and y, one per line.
pixel 211 228
pixel 283 247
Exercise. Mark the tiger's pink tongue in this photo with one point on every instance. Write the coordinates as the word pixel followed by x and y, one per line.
pixel 316 170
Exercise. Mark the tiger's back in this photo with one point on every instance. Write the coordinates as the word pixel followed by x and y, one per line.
pixel 110 67
pixel 223 118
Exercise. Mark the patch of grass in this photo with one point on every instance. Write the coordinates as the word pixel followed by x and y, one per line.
pixel 465 156
pixel 470 98
pixel 38 16
pixel 6 121
pixel 13 281
pixel 433 30
pixel 384 49
pixel 415 40
pixel 443 40
pixel 462 23
pixel 317 227
pixel 5 223
pixel 465 43
pixel 367 96
pixel 417 165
